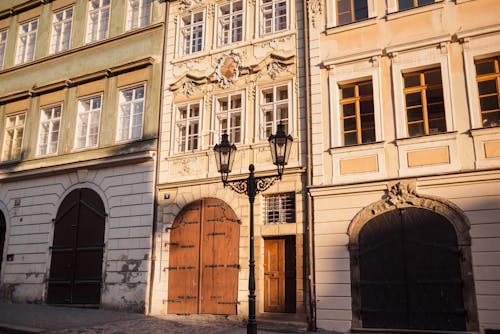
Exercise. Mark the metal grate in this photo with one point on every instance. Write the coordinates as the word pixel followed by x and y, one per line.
pixel 279 208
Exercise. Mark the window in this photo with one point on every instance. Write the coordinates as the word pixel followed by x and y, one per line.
pixel 349 11
pixel 488 86
pixel 88 119
pixel 228 116
pixel 279 208
pixel 274 16
pixel 3 43
pixel 424 103
pixel 98 20
pixel 230 23
pixel 188 127
pixel 48 134
pixel 192 33
pixel 13 137
pixel 357 113
pixel 61 30
pixel 131 112
pixel 138 14
pixel 275 108
pixel 407 4
pixel 26 42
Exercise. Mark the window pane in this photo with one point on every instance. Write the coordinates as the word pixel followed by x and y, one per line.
pixel 415 114
pixel 350 138
pixel 432 77
pixel 489 103
pixel 347 92
pixel 405 4
pixel 366 107
pixel 349 124
pixel 437 125
pixel 415 130
pixel 434 95
pixel 361 9
pixel 349 109
pixel 414 99
pixel 487 87
pixel 485 67
pixel 412 80
pixel 368 136
pixel 491 119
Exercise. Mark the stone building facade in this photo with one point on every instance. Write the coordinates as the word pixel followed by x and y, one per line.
pixel 232 67
pixel 79 107
pixel 404 116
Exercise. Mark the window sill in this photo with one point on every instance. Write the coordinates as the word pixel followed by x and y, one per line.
pixel 426 139
pixel 439 4
pixel 351 26
pixel 356 148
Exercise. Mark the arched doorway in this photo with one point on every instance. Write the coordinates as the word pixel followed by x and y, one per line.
pixel 3 230
pixel 77 250
pixel 410 273
pixel 203 267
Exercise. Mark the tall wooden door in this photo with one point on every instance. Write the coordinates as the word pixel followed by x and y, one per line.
pixel 203 269
pixel 279 274
pixel 77 250
pixel 410 273
pixel 3 230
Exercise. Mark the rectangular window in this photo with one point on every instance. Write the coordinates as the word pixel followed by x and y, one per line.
pixel 357 113
pixel 424 103
pixel 349 11
pixel 275 106
pixel 192 33
pixel 48 134
pixel 131 113
pixel 61 30
pixel 488 86
pixel 228 116
pixel 188 127
pixel 279 208
pixel 88 121
pixel 26 42
pixel 3 43
pixel 273 16
pixel 98 20
pixel 13 137
pixel 230 18
pixel 408 4
pixel 138 14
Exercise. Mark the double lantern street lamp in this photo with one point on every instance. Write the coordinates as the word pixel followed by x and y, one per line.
pixel 280 145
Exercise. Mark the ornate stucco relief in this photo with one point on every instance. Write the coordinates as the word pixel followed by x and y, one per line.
pixel 314 8
pixel 285 44
pixel 227 69
pixel 189 4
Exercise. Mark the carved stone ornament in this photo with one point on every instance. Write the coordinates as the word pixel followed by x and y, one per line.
pixel 186 4
pixel 188 88
pixel 314 8
pixel 227 69
pixel 274 68
pixel 401 193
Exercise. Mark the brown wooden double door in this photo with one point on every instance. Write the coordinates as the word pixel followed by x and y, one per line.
pixel 3 229
pixel 279 274
pixel 203 266
pixel 77 250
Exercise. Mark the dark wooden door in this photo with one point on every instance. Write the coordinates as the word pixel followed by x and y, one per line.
pixel 410 272
pixel 279 275
pixel 203 269
pixel 3 230
pixel 77 250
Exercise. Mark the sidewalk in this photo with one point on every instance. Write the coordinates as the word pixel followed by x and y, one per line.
pixel 30 318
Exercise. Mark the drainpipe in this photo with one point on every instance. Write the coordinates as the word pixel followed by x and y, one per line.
pixel 157 171
pixel 310 269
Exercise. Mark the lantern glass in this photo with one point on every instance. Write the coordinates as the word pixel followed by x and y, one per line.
pixel 280 145
pixel 224 157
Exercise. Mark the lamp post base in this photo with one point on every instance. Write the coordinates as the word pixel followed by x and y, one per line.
pixel 251 328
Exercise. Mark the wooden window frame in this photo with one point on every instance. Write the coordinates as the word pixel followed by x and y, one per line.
pixel 101 33
pixel 8 150
pixel 280 208
pixel 4 34
pixel 143 18
pixel 188 33
pixel 352 12
pixel 422 89
pixel 50 121
pixel 356 99
pixel 88 127
pixel 229 115
pixel 271 7
pixel 489 77
pixel 58 42
pixel 188 142
pixel 23 53
pixel 132 103
pixel 229 19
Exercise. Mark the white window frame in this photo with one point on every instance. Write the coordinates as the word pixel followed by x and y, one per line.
pixel 186 123
pixel 412 58
pixel 188 30
pixel 89 112
pixel 231 17
pixel 264 7
pixel 51 128
pixel 60 39
pixel 132 103
pixel 25 51
pixel 332 17
pixel 263 105
pixel 226 114
pixel 7 151
pixel 144 10
pixel 100 25
pixel 4 34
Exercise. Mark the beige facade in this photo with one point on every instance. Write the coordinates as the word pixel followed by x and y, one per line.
pixel 449 166
pixel 71 71
pixel 241 78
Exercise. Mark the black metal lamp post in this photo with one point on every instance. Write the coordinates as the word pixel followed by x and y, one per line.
pixel 280 145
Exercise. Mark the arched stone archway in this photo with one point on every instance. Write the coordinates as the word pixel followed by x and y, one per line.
pixel 411 264
pixel 204 260
pixel 77 250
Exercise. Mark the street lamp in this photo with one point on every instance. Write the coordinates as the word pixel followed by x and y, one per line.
pixel 280 145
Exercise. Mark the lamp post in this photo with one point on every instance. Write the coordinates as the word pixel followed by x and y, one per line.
pixel 280 145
